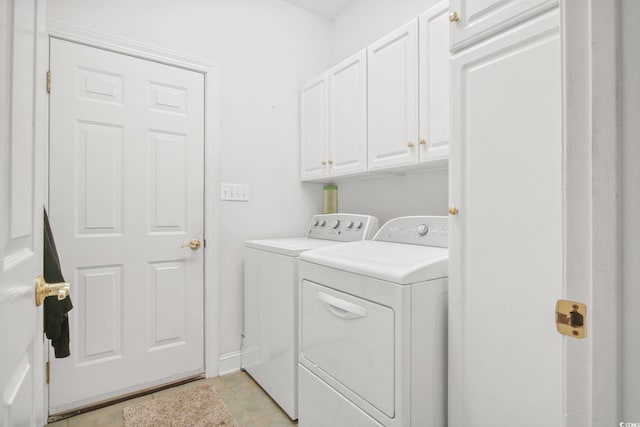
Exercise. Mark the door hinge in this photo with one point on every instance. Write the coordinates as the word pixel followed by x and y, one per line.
pixel 48 81
pixel 204 243
pixel 48 370
pixel 571 318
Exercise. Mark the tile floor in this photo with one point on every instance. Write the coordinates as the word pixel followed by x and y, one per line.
pixel 248 403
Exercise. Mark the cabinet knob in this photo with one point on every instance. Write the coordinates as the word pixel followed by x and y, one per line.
pixel 410 144
pixel 453 210
pixel 453 17
pixel 324 163
pixel 423 142
pixel 330 162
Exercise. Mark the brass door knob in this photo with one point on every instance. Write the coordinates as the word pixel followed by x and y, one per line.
pixel 453 17
pixel 453 210
pixel 423 142
pixel 194 245
pixel 410 144
pixel 44 289
pixel 330 162
pixel 323 163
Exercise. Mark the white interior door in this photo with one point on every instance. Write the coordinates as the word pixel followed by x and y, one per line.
pixel 505 356
pixel 126 192
pixel 21 201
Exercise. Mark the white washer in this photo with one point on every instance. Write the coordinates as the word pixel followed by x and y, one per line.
pixel 271 296
pixel 373 328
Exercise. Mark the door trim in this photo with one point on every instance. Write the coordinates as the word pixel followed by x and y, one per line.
pixel 592 210
pixel 211 72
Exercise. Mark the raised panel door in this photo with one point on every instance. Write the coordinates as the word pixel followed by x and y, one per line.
pixel 314 149
pixel 506 247
pixel 479 19
pixel 348 116
pixel 126 192
pixel 434 83
pixel 23 138
pixel 392 80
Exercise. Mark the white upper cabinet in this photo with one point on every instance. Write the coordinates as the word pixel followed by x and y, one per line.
pixel 348 116
pixel 314 129
pixel 386 107
pixel 393 99
pixel 333 121
pixel 474 20
pixel 434 83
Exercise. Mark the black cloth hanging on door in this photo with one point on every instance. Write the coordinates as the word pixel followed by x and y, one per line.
pixel 56 320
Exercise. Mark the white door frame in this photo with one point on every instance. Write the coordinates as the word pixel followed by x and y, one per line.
pixel 592 209
pixel 210 70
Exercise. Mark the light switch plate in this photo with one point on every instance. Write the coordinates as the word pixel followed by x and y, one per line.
pixel 234 192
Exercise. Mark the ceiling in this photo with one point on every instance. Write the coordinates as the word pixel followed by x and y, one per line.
pixel 326 8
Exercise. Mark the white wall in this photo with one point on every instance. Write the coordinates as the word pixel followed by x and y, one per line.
pixel 265 48
pixel 630 130
pixel 355 28
pixel 366 21
pixel 387 197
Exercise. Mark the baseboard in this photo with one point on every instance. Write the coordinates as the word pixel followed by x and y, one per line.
pixel 230 362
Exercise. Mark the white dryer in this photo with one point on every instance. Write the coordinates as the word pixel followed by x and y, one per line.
pixel 270 346
pixel 373 329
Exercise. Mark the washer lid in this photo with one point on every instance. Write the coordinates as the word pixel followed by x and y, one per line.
pixel 293 246
pixel 394 262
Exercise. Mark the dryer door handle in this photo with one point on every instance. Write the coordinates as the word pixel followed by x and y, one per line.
pixel 341 308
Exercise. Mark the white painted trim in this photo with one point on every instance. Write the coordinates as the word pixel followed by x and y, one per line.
pixel 605 285
pixel 211 71
pixel 230 362
pixel 592 210
pixel 577 250
pixel 128 47
pixel 41 191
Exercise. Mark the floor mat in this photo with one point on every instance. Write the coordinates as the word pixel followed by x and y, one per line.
pixel 199 406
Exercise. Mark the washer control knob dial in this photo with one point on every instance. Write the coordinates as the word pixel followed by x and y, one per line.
pixel 335 223
pixel 315 222
pixel 359 225
pixel 422 229
pixel 322 223
pixel 349 224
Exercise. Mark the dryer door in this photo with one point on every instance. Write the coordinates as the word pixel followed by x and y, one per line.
pixel 351 340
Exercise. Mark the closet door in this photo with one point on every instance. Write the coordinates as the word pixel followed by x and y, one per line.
pixel 506 247
pixel 392 64
pixel 348 116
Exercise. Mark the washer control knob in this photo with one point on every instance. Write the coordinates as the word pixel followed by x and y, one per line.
pixel 359 226
pixel 349 224
pixel 422 229
pixel 315 223
pixel 322 223
pixel 335 224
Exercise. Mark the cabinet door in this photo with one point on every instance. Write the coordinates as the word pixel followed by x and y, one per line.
pixel 392 64
pixel 313 129
pixel 506 247
pixel 348 116
pixel 434 83
pixel 479 19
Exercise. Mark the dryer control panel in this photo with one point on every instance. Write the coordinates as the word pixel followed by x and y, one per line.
pixel 416 230
pixel 343 227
